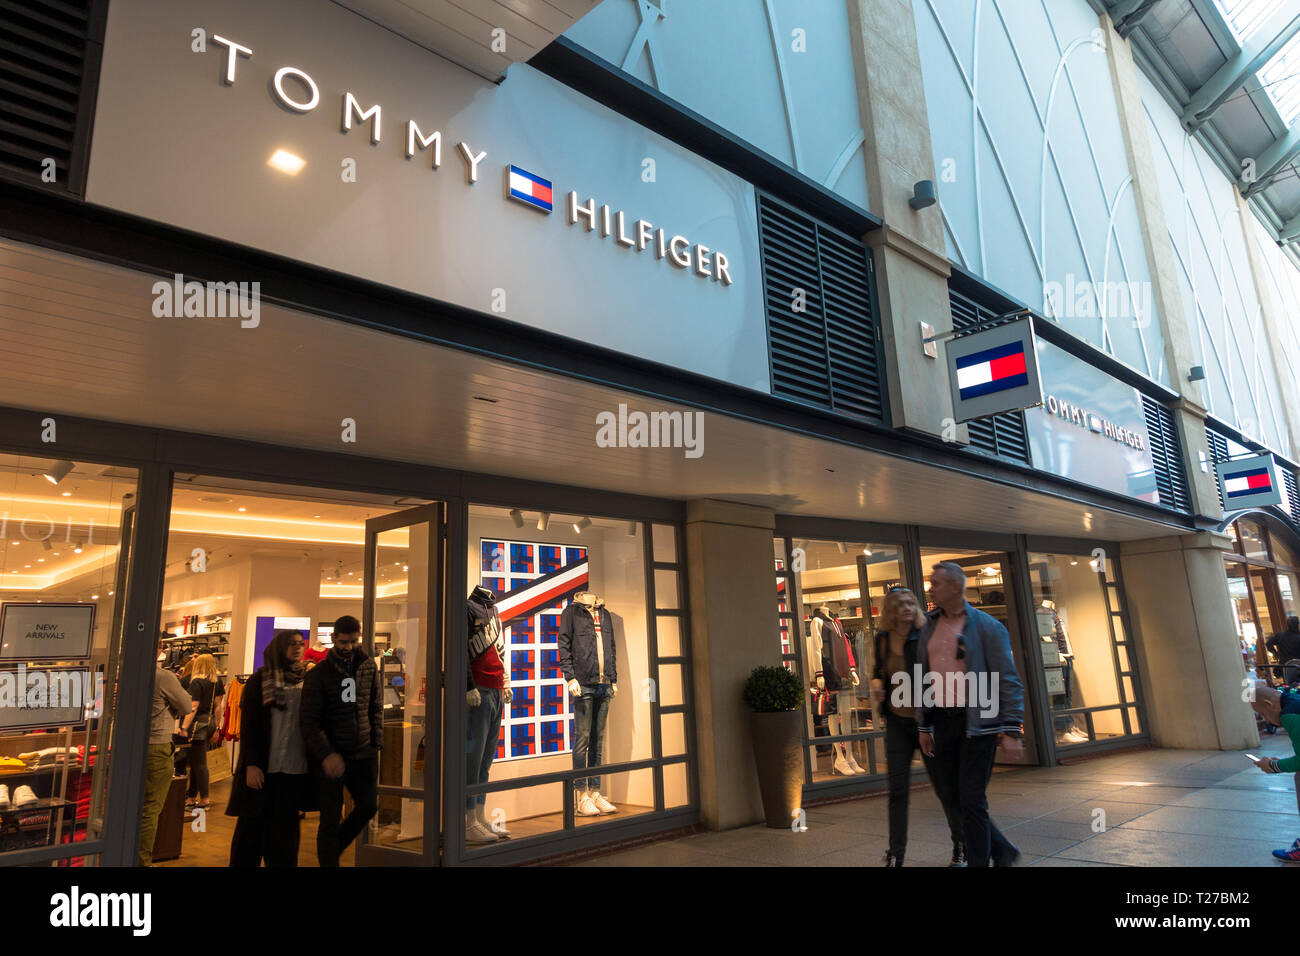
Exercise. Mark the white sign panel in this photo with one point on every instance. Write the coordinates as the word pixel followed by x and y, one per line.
pixel 46 632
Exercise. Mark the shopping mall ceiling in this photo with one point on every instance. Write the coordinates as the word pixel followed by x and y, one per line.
pixel 86 333
pixel 1230 69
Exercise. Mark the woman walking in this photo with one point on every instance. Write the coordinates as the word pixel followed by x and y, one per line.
pixel 901 619
pixel 272 783
pixel 208 696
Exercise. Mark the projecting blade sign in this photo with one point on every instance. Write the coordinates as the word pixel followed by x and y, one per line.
pixel 1248 483
pixel 994 371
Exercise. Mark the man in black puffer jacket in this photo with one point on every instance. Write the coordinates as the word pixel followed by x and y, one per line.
pixel 342 725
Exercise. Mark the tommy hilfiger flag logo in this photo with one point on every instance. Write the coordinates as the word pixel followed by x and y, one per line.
pixel 1256 481
pixel 531 189
pixel 992 370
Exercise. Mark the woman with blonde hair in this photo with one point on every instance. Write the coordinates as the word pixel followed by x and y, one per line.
pixel 208 694
pixel 894 686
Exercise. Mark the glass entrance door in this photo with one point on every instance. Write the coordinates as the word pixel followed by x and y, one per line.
pixel 404 629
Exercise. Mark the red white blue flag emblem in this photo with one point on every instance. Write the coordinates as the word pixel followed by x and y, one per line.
pixel 531 189
pixel 992 370
pixel 1255 481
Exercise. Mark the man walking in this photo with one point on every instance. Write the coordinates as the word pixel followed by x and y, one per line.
pixel 342 725
pixel 967 653
pixel 170 703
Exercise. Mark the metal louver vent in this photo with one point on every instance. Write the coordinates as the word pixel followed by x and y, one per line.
pixel 820 322
pixel 49 62
pixel 1218 452
pixel 1166 455
pixel 1292 487
pixel 1002 435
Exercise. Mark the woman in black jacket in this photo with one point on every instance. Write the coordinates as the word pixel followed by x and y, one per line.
pixel 892 683
pixel 273 782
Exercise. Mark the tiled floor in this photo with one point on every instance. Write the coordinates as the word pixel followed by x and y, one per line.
pixel 1149 808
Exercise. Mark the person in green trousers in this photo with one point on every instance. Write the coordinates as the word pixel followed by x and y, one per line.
pixel 170 703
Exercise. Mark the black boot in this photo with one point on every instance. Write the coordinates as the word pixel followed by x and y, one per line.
pixel 958 853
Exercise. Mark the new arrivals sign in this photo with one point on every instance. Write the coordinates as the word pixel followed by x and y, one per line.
pixel 301 128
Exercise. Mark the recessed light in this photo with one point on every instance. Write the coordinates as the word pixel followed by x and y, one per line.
pixel 94 597
pixel 40 560
pixel 286 162
pixel 243 509
pixel 66 494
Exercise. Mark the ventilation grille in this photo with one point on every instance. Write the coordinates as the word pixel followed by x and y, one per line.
pixel 820 323
pixel 1001 435
pixel 44 47
pixel 1292 504
pixel 1218 452
pixel 1166 455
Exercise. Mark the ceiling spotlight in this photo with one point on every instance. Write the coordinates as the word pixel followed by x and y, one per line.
pixel 844 548
pixel 77 548
pixel 580 525
pixel 94 597
pixel 867 552
pixel 517 517
pixel 631 529
pixel 243 509
pixel 45 543
pixel 58 472
pixel 286 162
pixel 1074 561
pixel 543 520
pixel 66 494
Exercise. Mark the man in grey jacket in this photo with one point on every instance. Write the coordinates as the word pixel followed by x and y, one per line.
pixel 171 702
pixel 977 698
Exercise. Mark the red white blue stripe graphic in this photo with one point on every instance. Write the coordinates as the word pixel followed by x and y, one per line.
pixel 1256 481
pixel 992 370
pixel 530 188
pixel 539 594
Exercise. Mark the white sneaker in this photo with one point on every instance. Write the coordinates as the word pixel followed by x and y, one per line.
pixel 476 832
pixel 24 796
pixel 841 766
pixel 4 797
pixel 586 806
pixel 603 805
pixel 499 829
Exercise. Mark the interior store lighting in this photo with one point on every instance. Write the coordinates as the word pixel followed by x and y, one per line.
pixel 580 525
pixel 286 162
pixel 543 520
pixel 58 472
pixel 517 517
pixel 844 549
pixel 45 543
pixel 76 549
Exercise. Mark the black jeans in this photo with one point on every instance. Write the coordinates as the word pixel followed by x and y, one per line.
pixel 198 761
pixel 361 777
pixel 271 834
pixel 962 768
pixel 900 746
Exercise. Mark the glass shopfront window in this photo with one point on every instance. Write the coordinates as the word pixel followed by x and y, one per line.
pixel 66 532
pixel 1088 661
pixel 1264 585
pixel 574 654
pixel 826 622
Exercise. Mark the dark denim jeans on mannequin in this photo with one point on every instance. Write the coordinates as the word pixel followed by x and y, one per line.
pixel 484 729
pixel 589 712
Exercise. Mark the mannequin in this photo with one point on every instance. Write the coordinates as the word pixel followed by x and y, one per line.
pixel 488 693
pixel 587 659
pixel 836 674
pixel 1051 628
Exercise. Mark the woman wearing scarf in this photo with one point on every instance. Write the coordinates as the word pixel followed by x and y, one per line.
pixel 273 782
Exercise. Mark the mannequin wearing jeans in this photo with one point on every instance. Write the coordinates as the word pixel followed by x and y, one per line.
pixel 487 695
pixel 587 660
pixel 830 652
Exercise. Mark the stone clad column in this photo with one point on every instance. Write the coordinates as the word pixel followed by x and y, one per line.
pixel 1176 589
pixel 1166 293
pixel 729 560
pixel 911 259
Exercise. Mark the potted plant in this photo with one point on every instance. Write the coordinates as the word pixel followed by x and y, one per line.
pixel 774 696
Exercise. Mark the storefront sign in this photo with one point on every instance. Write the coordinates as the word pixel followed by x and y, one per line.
pixel 994 371
pixel 1249 483
pixel 46 632
pixel 353 149
pixel 1091 428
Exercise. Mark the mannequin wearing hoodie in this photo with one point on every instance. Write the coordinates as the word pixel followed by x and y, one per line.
pixel 587 660
pixel 487 695
pixel 835 675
